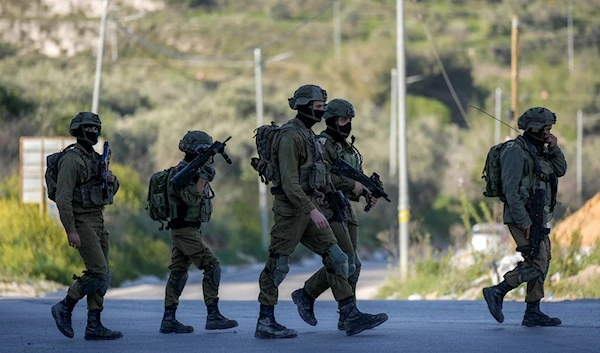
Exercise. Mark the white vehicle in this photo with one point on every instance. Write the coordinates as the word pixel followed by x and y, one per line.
pixel 489 237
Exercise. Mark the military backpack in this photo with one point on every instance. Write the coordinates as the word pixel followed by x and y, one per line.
pixel 267 137
pixel 492 170
pixel 51 175
pixel 159 204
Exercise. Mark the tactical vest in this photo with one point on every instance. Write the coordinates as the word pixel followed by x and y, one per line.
pixel 312 172
pixel 194 213
pixel 203 211
pixel 88 189
pixel 546 181
pixel 348 153
pixel 344 151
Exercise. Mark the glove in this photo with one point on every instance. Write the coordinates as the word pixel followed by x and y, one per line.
pixel 207 172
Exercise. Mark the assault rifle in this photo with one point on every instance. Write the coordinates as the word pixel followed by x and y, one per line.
pixel 338 204
pixel 538 230
pixel 106 186
pixel 185 175
pixel 535 208
pixel 373 183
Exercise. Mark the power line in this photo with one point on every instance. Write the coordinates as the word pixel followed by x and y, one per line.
pixel 446 77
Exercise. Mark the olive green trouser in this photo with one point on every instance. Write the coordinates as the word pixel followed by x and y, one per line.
pixel 188 247
pixel 290 228
pixel 532 270
pixel 347 240
pixel 94 253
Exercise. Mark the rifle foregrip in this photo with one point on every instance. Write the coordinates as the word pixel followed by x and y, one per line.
pixel 226 157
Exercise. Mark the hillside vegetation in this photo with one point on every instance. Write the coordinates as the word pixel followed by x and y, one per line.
pixel 189 65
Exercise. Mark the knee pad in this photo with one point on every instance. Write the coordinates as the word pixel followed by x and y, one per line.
pixel 529 273
pixel 102 290
pixel 177 282
pixel 351 265
pixel 338 259
pixel 357 260
pixel 212 275
pixel 282 267
pixel 90 284
pixel 354 276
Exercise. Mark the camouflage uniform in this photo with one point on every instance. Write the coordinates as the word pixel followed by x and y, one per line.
pixel 302 175
pixel 519 182
pixel 335 146
pixel 80 203
pixel 345 234
pixel 188 247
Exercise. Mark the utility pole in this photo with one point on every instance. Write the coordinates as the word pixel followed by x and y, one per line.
pixel 114 42
pixel 403 205
pixel 514 72
pixel 498 113
pixel 98 78
pixel 394 124
pixel 579 157
pixel 262 188
pixel 337 31
pixel 571 49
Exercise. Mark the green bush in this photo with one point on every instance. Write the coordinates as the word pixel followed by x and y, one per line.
pixel 34 245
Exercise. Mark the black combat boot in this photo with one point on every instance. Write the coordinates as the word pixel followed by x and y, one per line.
pixel 534 317
pixel 96 331
pixel 494 296
pixel 61 312
pixel 341 324
pixel 216 321
pixel 170 324
pixel 305 305
pixel 355 321
pixel 267 327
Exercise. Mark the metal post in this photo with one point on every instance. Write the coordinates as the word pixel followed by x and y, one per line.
pixel 498 114
pixel 337 31
pixel 262 188
pixel 394 124
pixel 579 157
pixel 403 205
pixel 571 49
pixel 98 78
pixel 514 69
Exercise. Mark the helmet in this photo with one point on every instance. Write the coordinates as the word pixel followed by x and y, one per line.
pixel 536 118
pixel 84 118
pixel 306 94
pixel 192 141
pixel 339 108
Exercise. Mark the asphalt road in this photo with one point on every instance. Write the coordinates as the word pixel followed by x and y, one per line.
pixel 414 326
pixel 26 325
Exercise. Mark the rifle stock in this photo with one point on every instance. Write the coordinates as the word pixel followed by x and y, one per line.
pixel 107 192
pixel 538 228
pixel 184 176
pixel 373 183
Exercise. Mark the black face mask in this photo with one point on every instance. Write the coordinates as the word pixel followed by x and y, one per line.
pixel 87 137
pixel 338 133
pixel 92 137
pixel 346 129
pixel 536 138
pixel 310 113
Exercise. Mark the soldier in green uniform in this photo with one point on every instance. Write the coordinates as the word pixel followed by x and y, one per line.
pixel 338 118
pixel 519 182
pixel 194 206
pixel 298 218
pixel 80 201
